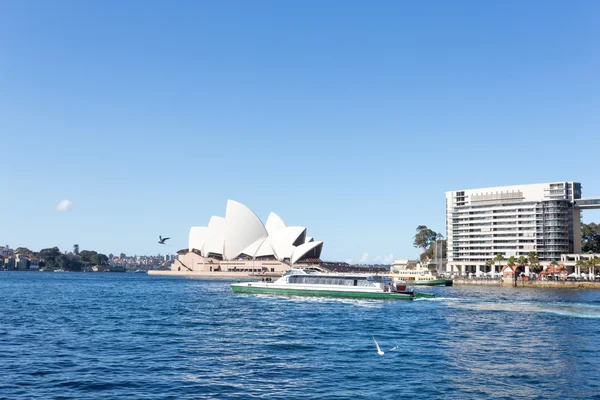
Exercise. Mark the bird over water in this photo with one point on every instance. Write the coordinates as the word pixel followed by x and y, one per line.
pixel 379 351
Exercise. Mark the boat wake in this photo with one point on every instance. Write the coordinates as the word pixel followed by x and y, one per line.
pixel 321 299
pixel 440 299
pixel 568 310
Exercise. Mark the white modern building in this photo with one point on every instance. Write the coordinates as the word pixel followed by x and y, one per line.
pixel 512 221
pixel 240 242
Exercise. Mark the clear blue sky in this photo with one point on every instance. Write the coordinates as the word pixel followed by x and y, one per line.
pixel 349 118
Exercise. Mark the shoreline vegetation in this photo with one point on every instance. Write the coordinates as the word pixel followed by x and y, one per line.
pixel 52 259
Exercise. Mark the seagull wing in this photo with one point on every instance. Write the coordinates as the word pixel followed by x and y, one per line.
pixel 166 239
pixel 393 348
pixel 377 344
pixel 160 238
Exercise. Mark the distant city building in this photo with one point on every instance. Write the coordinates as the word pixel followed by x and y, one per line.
pixel 241 243
pixel 21 262
pixel 6 251
pixel 9 263
pixel 513 221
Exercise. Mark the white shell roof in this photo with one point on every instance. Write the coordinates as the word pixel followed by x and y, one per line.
pixel 265 249
pixel 197 237
pixel 274 223
pixel 253 248
pixel 242 228
pixel 242 232
pixel 216 236
pixel 283 240
pixel 303 249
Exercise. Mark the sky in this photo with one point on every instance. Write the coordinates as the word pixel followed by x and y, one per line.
pixel 122 121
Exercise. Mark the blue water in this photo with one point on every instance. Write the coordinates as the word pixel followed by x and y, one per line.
pixel 131 336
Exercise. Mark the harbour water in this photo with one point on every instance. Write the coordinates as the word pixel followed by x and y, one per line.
pixel 117 336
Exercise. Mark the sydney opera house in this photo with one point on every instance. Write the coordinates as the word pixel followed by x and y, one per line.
pixel 241 243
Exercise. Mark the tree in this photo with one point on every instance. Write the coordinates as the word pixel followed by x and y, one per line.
pixel 432 250
pixel 499 258
pixel 102 259
pixel 423 239
pixel 23 251
pixel 534 262
pixel 590 238
pixel 76 248
pixel 554 263
pixel 91 258
pixel 582 265
pixel 522 261
pixel 593 262
pixel 512 261
pixel 50 257
pixel 88 257
pixel 489 263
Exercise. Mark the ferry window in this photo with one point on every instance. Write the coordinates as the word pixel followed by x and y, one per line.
pixel 356 282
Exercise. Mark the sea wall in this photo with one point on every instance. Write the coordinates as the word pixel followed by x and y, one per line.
pixel 478 282
pixel 557 284
pixel 530 284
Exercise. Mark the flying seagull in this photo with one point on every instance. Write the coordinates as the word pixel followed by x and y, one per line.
pixel 379 351
pixel 161 240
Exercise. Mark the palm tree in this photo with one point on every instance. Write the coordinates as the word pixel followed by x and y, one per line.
pixel 534 262
pixel 594 261
pixel 499 257
pixel 522 261
pixel 581 264
pixel 489 263
pixel 585 266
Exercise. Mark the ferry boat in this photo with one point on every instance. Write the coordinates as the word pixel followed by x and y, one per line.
pixel 309 283
pixel 415 276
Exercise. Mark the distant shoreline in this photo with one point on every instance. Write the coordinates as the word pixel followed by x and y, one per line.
pixel 218 275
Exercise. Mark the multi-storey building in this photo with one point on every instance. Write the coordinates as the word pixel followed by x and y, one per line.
pixel 512 221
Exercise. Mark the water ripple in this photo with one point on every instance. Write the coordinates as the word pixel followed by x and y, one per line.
pixel 106 336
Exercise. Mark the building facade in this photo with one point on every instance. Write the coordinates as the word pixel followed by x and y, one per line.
pixel 512 221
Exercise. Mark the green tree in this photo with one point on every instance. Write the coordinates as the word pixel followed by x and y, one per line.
pixel 522 261
pixel 590 238
pixel 76 248
pixel 432 250
pixel 593 262
pixel 499 258
pixel 489 263
pixel 50 257
pixel 582 265
pixel 534 262
pixel 554 263
pixel 102 259
pixel 23 251
pixel 423 239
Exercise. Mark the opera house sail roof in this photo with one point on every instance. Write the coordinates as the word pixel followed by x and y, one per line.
pixel 241 234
